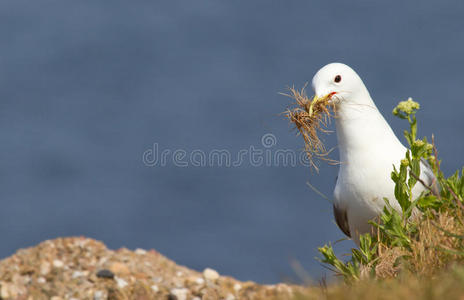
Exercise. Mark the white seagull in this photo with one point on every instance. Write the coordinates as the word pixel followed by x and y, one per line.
pixel 368 150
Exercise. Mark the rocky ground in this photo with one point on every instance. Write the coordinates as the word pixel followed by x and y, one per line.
pixel 82 268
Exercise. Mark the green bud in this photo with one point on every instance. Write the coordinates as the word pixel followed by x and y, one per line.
pixel 405 162
pixel 407 107
pixel 419 143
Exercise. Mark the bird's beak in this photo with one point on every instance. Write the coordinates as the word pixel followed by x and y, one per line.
pixel 326 96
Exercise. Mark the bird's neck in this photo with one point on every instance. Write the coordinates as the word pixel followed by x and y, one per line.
pixel 362 130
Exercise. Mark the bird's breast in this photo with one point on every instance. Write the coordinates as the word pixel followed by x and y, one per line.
pixel 363 183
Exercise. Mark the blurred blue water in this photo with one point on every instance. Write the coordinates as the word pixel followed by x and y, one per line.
pixel 86 87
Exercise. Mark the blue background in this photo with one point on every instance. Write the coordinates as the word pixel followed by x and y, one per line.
pixel 87 86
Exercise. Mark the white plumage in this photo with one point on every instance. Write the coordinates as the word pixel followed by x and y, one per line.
pixel 368 150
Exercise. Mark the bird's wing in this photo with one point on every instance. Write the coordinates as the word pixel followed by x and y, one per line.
pixel 428 177
pixel 342 219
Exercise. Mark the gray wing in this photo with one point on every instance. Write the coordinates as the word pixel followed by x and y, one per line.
pixel 342 219
pixel 428 177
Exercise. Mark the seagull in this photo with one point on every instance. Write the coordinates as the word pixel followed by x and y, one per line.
pixel 368 149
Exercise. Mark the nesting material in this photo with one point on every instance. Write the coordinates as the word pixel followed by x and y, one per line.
pixel 311 116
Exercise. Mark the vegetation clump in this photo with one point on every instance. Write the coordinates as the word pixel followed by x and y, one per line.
pixel 425 238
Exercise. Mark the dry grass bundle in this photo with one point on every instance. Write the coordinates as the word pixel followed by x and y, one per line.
pixel 311 115
pixel 438 244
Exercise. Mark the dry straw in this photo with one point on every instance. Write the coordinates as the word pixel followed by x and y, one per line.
pixel 311 116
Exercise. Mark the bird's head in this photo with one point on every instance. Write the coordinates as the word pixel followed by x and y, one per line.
pixel 340 83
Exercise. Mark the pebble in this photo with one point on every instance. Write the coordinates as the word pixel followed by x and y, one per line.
pixel 210 274
pixel 194 280
pixel 119 268
pixel 102 261
pixel 121 282
pixel 44 268
pixel 41 280
pixel 237 287
pixel 180 293
pixel 9 291
pixel 284 288
pixel 98 295
pixel 105 273
pixel 139 251
pixel 77 274
pixel 230 297
pixel 56 298
pixel 58 263
pixel 4 291
pixel 155 288
pixel 146 263
pixel 80 243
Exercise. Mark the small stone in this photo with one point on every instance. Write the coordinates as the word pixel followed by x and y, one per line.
pixel 58 263
pixel 41 280
pixel 179 293
pixel 139 251
pixel 80 243
pixel 98 295
pixel 121 282
pixel 105 273
pixel 210 274
pixel 9 291
pixel 4 292
pixel 179 273
pixel 102 261
pixel 155 288
pixel 44 268
pixel 194 280
pixel 56 298
pixel 119 268
pixel 230 297
pixel 237 287
pixel 77 274
pixel 283 288
pixel 196 298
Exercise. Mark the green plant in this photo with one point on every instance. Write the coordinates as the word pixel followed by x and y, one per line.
pixel 427 233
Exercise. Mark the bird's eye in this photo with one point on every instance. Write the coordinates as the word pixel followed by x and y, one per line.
pixel 338 78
